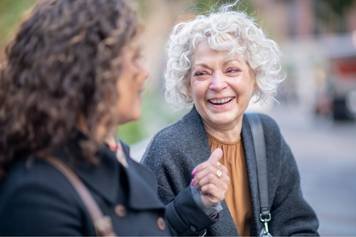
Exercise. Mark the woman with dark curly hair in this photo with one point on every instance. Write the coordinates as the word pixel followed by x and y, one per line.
pixel 71 75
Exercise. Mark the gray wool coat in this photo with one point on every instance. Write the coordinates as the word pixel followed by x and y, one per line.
pixel 177 149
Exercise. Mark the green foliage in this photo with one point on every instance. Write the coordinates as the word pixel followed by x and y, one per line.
pixel 132 132
pixel 11 12
pixel 155 115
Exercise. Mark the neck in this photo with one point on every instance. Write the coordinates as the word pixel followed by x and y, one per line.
pixel 229 133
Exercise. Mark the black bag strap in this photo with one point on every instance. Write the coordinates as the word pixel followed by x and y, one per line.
pixel 262 176
pixel 102 224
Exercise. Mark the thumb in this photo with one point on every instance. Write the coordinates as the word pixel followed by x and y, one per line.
pixel 215 156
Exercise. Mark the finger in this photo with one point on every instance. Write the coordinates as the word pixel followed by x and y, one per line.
pixel 221 170
pixel 222 182
pixel 200 167
pixel 215 156
pixel 221 167
pixel 213 191
pixel 211 177
pixel 202 173
pixel 208 169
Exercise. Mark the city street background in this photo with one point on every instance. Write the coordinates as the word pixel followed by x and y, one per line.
pixel 326 155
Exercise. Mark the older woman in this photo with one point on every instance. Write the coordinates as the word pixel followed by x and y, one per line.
pixel 218 62
pixel 72 74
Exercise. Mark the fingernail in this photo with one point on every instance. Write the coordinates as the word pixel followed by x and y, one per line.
pixel 193 172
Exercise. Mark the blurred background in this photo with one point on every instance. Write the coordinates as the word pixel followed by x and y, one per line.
pixel 316 107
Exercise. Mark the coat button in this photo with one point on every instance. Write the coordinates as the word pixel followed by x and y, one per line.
pixel 161 223
pixel 120 210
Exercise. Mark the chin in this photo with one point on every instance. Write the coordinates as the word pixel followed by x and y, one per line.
pixel 129 118
pixel 135 116
pixel 225 118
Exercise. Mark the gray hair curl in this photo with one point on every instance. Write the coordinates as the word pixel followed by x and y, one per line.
pixel 228 30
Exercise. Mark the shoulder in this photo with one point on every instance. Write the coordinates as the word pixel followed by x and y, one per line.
pixel 269 124
pixel 278 151
pixel 169 133
pixel 271 129
pixel 175 140
pixel 179 134
pixel 34 175
pixel 168 139
pixel 38 200
pixel 162 145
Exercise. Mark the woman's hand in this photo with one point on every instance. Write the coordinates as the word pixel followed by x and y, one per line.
pixel 212 179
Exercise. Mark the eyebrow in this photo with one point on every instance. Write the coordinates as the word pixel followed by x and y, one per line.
pixel 230 59
pixel 226 61
pixel 201 65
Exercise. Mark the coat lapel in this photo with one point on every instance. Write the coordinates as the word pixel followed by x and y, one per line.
pixel 112 181
pixel 194 129
pixel 103 178
pixel 142 187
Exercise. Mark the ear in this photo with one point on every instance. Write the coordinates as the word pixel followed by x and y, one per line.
pixel 255 86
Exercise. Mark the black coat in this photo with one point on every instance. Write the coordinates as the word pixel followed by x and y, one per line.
pixel 36 199
pixel 177 149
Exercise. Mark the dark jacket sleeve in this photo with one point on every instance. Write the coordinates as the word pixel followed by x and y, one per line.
pixel 37 208
pixel 184 216
pixel 291 214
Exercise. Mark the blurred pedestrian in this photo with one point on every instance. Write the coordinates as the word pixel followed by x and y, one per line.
pixel 217 63
pixel 71 75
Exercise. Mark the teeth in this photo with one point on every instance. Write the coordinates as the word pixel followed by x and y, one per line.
pixel 220 101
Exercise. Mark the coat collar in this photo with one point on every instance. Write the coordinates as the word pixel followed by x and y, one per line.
pixel 109 179
pixel 193 124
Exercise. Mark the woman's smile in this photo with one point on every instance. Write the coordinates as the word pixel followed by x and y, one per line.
pixel 221 104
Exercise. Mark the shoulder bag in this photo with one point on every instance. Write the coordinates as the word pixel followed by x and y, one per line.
pixel 262 177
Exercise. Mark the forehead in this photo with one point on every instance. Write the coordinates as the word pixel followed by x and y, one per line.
pixel 203 53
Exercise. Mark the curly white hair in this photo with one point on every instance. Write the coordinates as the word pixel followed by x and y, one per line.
pixel 229 30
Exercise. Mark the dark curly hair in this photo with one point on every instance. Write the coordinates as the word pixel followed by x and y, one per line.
pixel 62 66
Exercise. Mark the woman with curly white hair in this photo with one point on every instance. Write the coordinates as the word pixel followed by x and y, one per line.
pixel 218 63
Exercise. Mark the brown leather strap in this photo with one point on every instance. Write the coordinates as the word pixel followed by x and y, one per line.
pixel 102 224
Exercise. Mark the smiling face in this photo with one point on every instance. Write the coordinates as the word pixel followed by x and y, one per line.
pixel 221 86
pixel 130 84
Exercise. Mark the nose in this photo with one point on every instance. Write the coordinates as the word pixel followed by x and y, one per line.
pixel 217 82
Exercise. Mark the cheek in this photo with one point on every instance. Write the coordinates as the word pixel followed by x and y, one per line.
pixel 198 90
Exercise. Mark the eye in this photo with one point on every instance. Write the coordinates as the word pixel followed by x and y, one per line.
pixel 232 70
pixel 200 73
